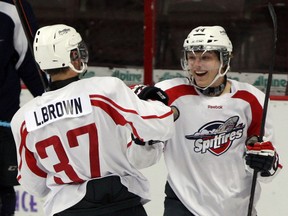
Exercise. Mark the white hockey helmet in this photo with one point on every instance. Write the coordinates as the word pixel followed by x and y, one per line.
pixel 209 38
pixel 53 45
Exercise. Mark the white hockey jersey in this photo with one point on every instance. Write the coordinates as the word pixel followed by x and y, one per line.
pixel 81 132
pixel 205 157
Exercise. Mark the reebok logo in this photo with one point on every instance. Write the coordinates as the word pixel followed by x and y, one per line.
pixel 215 107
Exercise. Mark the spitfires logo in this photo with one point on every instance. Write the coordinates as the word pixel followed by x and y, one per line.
pixel 217 137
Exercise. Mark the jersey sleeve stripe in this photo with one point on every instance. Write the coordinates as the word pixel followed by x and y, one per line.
pixel 29 157
pixel 178 91
pixel 118 118
pixel 256 110
pixel 112 103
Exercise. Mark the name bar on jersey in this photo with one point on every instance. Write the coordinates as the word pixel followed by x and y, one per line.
pixel 56 110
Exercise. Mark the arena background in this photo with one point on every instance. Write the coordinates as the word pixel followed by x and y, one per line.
pixel 149 34
pixel 140 41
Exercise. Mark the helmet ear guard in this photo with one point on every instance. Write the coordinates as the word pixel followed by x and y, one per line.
pixel 79 53
pixel 53 45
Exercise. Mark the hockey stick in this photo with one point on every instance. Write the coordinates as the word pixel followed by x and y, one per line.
pixel 265 106
pixel 29 33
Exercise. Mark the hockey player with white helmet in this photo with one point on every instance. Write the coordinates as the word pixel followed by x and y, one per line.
pixel 74 141
pixel 211 157
pixel 202 41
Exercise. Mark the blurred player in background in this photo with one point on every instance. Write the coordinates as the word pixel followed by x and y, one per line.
pixel 16 63
pixel 211 157
pixel 74 142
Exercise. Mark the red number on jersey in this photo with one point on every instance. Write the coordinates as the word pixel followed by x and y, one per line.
pixel 64 164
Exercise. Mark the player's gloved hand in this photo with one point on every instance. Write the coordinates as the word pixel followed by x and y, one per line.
pixel 260 156
pixel 139 142
pixel 150 92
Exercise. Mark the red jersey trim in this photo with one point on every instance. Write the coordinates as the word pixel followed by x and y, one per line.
pixel 29 157
pixel 256 110
pixel 178 91
pixel 129 110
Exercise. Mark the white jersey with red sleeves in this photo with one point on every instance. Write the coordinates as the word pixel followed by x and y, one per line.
pixel 80 132
pixel 205 157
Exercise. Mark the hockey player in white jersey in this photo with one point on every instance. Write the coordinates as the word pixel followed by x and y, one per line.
pixel 74 141
pixel 211 157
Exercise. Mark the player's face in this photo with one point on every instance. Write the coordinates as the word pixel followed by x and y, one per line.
pixel 203 66
pixel 75 60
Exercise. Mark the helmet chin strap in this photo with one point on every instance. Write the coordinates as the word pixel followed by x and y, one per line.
pixel 83 69
pixel 214 91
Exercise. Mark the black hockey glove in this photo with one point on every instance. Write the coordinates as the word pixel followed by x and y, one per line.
pixel 150 92
pixel 139 142
pixel 260 156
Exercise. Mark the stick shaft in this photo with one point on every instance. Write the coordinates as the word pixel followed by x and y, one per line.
pixel 270 75
pixel 265 105
pixel 28 33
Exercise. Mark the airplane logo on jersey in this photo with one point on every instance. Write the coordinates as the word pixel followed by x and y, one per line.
pixel 217 136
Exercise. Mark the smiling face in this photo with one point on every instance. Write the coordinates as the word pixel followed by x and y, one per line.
pixel 204 67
